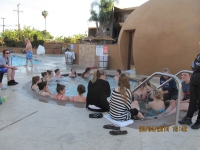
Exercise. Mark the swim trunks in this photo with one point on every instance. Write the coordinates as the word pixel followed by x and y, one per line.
pixel 29 55
pixel 3 70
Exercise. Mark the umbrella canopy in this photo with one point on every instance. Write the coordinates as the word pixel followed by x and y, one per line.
pixel 103 38
pixel 88 38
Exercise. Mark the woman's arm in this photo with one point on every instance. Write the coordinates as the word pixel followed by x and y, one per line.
pixel 66 98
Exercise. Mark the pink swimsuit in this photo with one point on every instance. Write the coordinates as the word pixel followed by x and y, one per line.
pixel 60 97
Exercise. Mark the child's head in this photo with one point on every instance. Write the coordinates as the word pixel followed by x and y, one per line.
pixel 35 79
pixel 43 85
pixel 158 94
pixel 60 89
pixel 50 72
pixel 118 72
pixel 147 83
pixel 44 74
pixel 57 71
pixel 81 89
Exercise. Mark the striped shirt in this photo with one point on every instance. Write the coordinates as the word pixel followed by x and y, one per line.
pixel 118 109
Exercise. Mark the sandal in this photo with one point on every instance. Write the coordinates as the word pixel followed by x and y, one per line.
pixel 118 132
pixel 96 115
pixel 111 126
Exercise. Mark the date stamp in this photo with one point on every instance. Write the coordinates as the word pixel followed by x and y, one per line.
pixel 162 128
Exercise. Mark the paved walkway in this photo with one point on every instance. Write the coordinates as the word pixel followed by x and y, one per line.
pixel 27 124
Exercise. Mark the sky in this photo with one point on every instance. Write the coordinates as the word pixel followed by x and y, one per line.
pixel 65 17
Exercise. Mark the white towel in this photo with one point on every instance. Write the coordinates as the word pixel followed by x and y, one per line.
pixel 70 54
pixel 118 123
pixel 93 107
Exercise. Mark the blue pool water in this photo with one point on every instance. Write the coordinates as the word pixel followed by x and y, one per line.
pixel 72 83
pixel 20 61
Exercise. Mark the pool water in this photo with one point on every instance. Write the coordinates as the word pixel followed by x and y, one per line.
pixel 72 83
pixel 20 61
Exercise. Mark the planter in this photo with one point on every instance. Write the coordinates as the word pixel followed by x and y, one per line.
pixel 57 51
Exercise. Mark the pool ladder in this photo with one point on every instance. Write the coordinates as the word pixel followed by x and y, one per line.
pixel 171 78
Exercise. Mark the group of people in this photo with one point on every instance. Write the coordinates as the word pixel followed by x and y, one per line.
pixel 40 85
pixel 123 103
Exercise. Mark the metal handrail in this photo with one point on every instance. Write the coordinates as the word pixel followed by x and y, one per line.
pixel 179 89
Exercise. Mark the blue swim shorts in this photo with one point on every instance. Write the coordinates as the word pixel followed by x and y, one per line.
pixel 3 70
pixel 29 55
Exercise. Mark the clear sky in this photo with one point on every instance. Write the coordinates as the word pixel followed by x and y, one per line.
pixel 66 17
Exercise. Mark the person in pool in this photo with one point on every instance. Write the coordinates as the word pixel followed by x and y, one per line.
pixel 35 81
pixel 50 75
pixel 57 74
pixel 141 93
pixel 44 76
pixel 44 89
pixel 73 73
pixel 5 67
pixel 87 73
pixel 118 72
pixel 61 90
pixel 80 97
pixel 157 106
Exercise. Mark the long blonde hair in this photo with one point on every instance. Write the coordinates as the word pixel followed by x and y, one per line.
pixel 124 84
pixel 97 73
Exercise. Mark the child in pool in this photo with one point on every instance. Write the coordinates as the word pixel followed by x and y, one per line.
pixel 57 74
pixel 80 97
pixel 35 81
pixel 50 75
pixel 44 76
pixel 61 89
pixel 157 106
pixel 73 73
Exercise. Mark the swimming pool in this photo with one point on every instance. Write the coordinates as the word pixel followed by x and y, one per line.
pixel 72 83
pixel 20 61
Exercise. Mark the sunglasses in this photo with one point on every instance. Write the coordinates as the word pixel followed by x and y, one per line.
pixel 7 53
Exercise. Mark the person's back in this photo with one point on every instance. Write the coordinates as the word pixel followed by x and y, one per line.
pixel 98 91
pixel 80 97
pixel 157 106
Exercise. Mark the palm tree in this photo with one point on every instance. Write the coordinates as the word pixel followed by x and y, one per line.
pixel 105 11
pixel 44 14
pixel 94 17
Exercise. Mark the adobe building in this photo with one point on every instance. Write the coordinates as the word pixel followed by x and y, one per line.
pixel 161 34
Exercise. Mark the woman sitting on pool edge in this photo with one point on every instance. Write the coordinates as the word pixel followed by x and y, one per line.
pixel 80 97
pixel 86 73
pixel 98 91
pixel 61 90
pixel 157 106
pixel 73 73
pixel 35 81
pixel 5 67
pixel 120 102
pixel 44 89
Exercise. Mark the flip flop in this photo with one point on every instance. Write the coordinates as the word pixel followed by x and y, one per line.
pixel 96 115
pixel 118 132
pixel 111 126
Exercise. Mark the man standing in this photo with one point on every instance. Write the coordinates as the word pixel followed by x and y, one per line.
pixel 29 52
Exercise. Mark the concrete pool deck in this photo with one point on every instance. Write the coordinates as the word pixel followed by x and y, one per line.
pixel 27 124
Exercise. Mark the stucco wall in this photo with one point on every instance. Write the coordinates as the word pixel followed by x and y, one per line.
pixel 167 34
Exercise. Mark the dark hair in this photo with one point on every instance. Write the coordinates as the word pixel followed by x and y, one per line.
pixel 43 74
pixel 147 83
pixel 133 97
pixel 119 71
pixel 81 89
pixel 41 85
pixel 35 79
pixel 56 70
pixel 75 71
pixel 86 70
pixel 60 87
pixel 49 71
pixel 4 51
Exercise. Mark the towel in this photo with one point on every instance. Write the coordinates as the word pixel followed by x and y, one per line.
pixel 70 54
pixel 118 123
